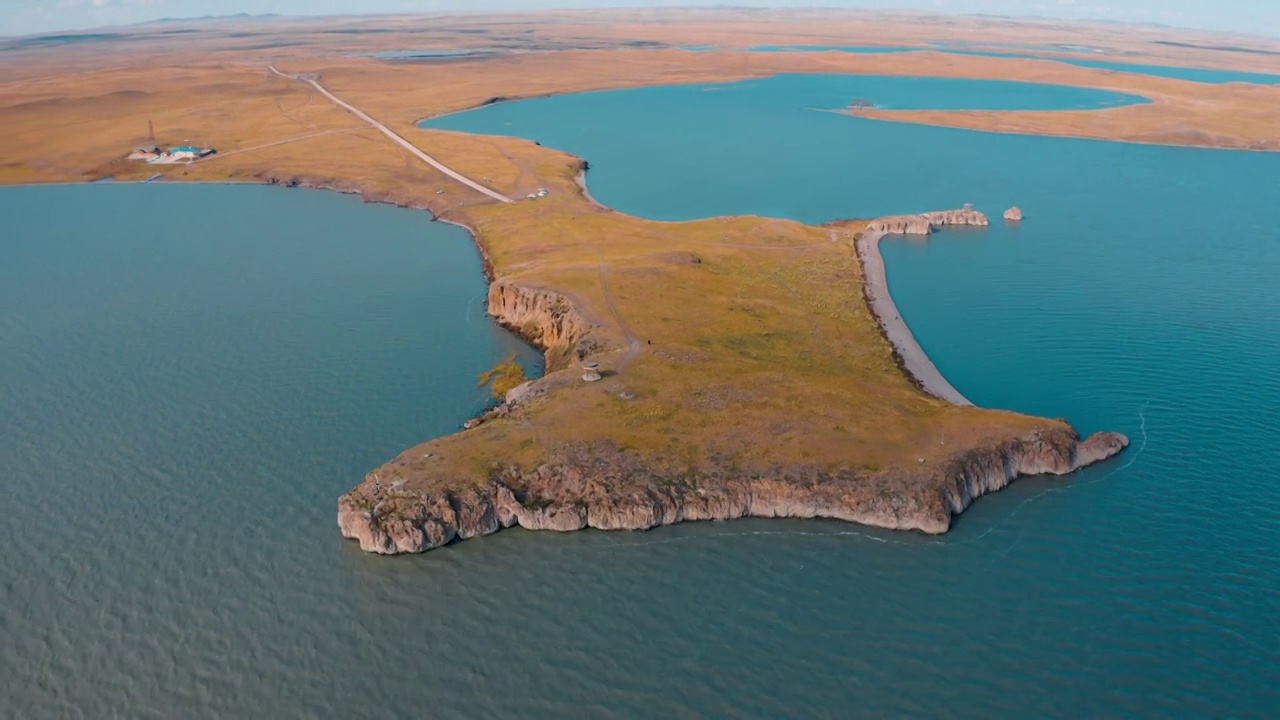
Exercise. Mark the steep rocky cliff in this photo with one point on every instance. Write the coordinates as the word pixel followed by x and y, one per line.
pixel 900 225
pixel 977 473
pixel 543 317
pixel 601 486
pixel 964 216
pixel 925 223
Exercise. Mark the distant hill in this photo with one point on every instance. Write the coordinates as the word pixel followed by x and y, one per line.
pixel 214 18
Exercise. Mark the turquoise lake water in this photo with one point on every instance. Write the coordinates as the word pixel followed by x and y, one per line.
pixel 1201 75
pixel 191 375
pixel 1057 48
pixel 781 158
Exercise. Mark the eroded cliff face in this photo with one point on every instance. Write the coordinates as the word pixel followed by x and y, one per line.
pixel 977 473
pixel 925 223
pixel 963 216
pixel 545 318
pixel 900 225
pixel 600 486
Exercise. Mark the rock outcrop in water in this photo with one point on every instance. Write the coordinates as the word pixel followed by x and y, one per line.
pixel 925 223
pixel 1013 214
pixel 601 486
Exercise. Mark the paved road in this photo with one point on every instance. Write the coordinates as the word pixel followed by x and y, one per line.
pixel 395 137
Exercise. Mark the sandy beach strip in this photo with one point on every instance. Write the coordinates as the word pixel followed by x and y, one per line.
pixel 581 179
pixel 914 359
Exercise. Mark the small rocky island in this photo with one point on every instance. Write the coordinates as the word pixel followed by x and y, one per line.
pixel 1013 214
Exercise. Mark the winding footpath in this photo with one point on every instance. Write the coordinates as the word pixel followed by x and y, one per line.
pixel 632 340
pixel 395 137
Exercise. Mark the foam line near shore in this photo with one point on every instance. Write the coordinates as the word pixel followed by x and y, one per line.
pixel 914 360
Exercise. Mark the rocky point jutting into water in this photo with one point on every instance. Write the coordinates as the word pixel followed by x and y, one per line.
pixel 926 223
pixel 607 488
pixel 603 485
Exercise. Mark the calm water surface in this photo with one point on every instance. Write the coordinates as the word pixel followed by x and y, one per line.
pixel 190 376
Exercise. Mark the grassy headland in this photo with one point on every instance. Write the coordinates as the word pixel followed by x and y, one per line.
pixel 739 356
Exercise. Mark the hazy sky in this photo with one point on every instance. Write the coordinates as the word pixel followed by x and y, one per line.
pixel 33 16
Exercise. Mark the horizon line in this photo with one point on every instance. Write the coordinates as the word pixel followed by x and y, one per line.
pixel 321 17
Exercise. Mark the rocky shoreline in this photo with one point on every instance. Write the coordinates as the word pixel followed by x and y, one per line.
pixel 910 356
pixel 606 488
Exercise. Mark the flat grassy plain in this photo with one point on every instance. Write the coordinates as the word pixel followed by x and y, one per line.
pixel 757 348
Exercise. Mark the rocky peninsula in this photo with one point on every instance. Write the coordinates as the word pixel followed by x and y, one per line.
pixel 415 503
